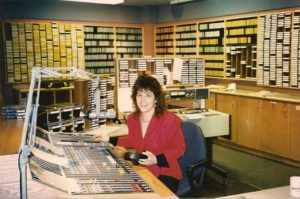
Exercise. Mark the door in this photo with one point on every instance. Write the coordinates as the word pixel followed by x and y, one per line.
pixel 248 114
pixel 294 131
pixel 274 127
pixel 227 104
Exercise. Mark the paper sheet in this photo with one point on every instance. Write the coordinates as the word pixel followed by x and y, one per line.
pixel 177 69
pixel 124 100
pixel 167 73
pixel 109 130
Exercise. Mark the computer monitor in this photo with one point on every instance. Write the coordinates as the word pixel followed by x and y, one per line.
pixel 201 93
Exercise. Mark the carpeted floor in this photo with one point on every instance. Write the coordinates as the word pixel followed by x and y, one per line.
pixel 246 173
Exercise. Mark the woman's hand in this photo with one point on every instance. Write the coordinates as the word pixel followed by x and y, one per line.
pixel 151 160
pixel 120 151
pixel 101 137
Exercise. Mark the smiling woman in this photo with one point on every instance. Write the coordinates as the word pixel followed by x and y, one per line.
pixel 154 132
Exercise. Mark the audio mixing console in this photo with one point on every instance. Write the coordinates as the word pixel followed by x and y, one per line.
pixel 89 167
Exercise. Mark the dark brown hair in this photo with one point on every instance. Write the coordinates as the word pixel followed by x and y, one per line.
pixel 146 82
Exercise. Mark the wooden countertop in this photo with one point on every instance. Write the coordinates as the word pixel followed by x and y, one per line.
pixel 260 94
pixel 9 184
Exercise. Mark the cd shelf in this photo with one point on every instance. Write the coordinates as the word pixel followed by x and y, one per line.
pixel 274 49
pixel 211 47
pixel 191 70
pixel 129 42
pixel 241 39
pixel 44 44
pixel 59 44
pixel 164 37
pixel 295 59
pixel 261 47
pixel 99 49
pixel 186 39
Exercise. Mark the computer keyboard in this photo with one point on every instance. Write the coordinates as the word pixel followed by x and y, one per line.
pixel 195 111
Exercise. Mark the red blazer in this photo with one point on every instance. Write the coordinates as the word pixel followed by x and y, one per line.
pixel 164 136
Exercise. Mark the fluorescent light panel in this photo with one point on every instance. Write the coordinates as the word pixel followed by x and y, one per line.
pixel 112 2
pixel 179 1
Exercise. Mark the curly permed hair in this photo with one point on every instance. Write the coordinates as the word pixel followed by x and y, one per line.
pixel 146 82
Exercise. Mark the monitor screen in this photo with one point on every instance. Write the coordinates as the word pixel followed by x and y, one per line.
pixel 201 93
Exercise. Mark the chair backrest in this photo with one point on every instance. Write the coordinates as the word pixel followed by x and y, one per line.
pixel 195 152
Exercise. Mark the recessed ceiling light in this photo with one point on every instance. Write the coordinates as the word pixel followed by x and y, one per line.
pixel 112 2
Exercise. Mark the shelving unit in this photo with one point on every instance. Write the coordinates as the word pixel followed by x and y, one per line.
pixel 99 49
pixel 129 42
pixel 295 50
pixel 241 39
pixel 191 70
pixel 61 118
pixel 274 49
pixel 183 71
pixel 106 93
pixel 44 44
pixel 130 69
pixel 261 46
pixel 186 40
pixel 83 91
pixel 58 44
pixel 211 47
pixel 164 41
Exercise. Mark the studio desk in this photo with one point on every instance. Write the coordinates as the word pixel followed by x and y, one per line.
pixel 9 184
pixel 100 170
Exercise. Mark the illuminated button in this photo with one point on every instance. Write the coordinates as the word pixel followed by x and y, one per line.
pixel 121 171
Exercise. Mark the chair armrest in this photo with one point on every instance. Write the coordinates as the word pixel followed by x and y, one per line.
pixel 191 170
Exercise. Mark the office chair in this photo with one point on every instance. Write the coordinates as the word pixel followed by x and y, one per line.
pixel 193 163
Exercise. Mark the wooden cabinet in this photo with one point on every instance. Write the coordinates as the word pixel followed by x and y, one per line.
pixel 10 136
pixel 210 103
pixel 294 131
pixel 273 125
pixel 265 125
pixel 248 125
pixel 227 104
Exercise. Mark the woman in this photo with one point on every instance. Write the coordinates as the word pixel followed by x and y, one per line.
pixel 155 132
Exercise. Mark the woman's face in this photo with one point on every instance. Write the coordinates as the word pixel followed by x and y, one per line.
pixel 145 100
